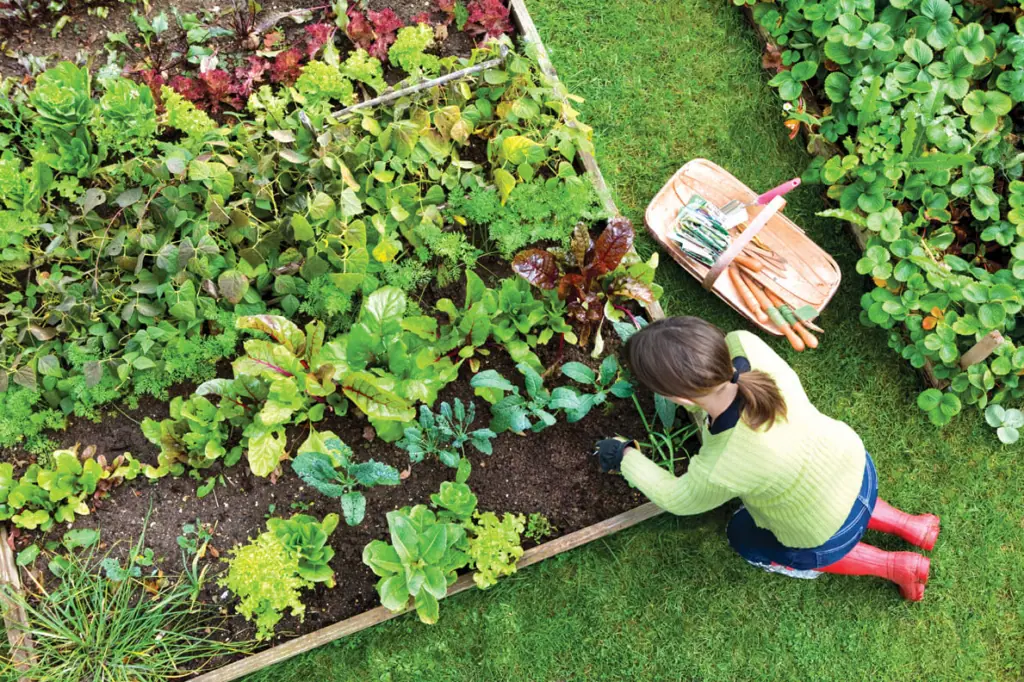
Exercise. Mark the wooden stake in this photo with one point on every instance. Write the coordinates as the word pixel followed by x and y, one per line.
pixel 425 85
pixel 981 350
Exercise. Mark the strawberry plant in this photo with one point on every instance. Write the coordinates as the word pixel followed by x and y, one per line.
pixel 1006 422
pixel 919 109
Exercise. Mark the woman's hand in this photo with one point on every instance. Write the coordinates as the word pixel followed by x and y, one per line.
pixel 609 452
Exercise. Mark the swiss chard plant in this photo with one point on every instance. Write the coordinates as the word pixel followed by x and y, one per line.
pixel 591 275
pixel 326 464
pixel 444 435
pixel 389 361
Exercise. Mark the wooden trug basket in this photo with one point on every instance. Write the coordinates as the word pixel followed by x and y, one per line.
pixel 809 267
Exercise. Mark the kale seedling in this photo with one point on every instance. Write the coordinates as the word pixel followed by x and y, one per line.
pixel 445 434
pixel 325 463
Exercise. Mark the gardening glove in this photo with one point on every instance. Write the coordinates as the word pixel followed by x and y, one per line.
pixel 609 452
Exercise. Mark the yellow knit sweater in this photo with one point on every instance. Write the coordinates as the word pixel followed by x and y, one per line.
pixel 798 479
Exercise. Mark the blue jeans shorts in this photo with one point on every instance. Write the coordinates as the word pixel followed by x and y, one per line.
pixel 759 546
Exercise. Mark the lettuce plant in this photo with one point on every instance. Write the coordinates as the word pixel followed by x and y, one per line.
pixel 125 118
pixel 196 434
pixel 306 538
pixel 495 546
pixel 58 489
pixel 419 563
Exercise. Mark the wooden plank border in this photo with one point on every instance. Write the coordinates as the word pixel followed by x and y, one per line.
pixel 980 350
pixel 282 652
pixel 367 619
pixel 15 619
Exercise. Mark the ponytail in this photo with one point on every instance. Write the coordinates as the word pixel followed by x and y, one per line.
pixel 762 401
pixel 686 357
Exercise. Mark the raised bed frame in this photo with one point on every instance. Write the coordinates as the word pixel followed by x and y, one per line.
pixel 15 619
pixel 980 350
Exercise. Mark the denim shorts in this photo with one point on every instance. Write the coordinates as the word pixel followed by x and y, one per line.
pixel 760 546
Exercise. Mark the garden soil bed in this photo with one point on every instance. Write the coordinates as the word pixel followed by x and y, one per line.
pixel 552 473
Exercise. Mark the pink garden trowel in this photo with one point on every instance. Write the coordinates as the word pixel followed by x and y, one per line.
pixel 736 212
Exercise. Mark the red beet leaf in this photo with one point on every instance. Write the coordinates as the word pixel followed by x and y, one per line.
pixel 538 267
pixel 488 18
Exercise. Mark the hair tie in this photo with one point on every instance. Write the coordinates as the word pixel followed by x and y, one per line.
pixel 735 377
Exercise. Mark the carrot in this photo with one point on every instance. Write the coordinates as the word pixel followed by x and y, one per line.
pixel 762 296
pixel 807 337
pixel 748 297
pixel 748 262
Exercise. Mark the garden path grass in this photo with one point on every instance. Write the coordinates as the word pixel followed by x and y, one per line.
pixel 666 81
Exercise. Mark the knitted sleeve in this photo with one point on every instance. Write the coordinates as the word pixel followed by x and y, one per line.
pixel 691 493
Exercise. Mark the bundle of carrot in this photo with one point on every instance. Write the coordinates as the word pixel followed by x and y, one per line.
pixel 767 306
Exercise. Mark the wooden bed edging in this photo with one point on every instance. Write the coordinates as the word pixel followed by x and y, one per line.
pixel 976 353
pixel 283 652
pixel 15 620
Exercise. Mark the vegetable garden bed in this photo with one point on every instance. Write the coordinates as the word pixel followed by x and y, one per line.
pixel 549 475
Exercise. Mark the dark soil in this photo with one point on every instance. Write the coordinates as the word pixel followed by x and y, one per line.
pixel 552 473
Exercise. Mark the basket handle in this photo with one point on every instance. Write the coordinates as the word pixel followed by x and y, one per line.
pixel 740 243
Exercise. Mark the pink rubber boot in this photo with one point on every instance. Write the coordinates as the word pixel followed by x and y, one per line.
pixel 921 530
pixel 908 570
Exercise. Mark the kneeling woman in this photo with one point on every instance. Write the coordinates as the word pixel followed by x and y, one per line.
pixel 809 489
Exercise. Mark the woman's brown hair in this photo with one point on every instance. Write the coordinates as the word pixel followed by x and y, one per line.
pixel 686 357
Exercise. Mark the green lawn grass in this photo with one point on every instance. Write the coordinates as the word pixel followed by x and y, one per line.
pixel 667 81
